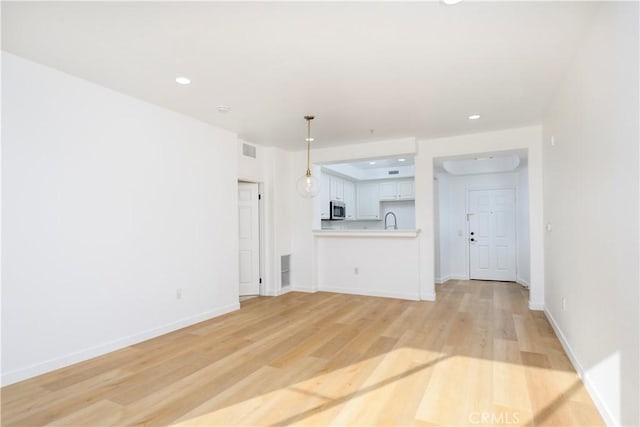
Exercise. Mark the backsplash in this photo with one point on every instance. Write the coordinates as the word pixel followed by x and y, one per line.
pixel 404 210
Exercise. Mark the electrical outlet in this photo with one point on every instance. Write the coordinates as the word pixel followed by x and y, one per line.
pixel 356 271
pixel 564 304
pixel 179 293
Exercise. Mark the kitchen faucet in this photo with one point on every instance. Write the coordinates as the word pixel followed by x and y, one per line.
pixel 395 221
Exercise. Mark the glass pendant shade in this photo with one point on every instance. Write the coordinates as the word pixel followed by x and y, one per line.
pixel 308 186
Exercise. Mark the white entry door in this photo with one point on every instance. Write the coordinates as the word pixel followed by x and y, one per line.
pixel 249 235
pixel 492 235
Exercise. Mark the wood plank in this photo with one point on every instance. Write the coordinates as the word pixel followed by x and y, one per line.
pixel 323 359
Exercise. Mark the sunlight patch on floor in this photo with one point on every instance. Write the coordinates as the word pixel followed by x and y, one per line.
pixel 340 396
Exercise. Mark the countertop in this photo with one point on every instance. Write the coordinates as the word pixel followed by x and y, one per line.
pixel 366 233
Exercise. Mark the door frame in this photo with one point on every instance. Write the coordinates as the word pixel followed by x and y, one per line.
pixel 261 233
pixel 468 190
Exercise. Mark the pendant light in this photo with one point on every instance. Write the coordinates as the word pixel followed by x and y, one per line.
pixel 308 186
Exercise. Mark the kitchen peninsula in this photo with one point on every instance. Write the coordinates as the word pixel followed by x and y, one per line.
pixel 381 263
pixel 367 243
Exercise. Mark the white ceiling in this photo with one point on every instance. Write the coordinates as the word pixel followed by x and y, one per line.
pixel 384 163
pixel 481 163
pixel 399 69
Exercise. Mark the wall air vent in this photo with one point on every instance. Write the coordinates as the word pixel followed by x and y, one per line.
pixel 248 150
pixel 395 172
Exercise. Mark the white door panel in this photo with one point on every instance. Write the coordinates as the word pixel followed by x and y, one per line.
pixel 249 238
pixel 492 235
pixel 483 257
pixel 246 270
pixel 244 220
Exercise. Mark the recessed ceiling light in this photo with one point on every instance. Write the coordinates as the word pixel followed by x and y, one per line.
pixel 183 80
pixel 402 160
pixel 451 2
pixel 223 108
pixel 372 163
pixel 474 117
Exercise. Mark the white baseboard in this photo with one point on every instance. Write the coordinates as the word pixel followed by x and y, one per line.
pixel 457 277
pixel 536 306
pixel 429 297
pixel 522 282
pixel 303 289
pixel 277 292
pixel 448 277
pixel 284 290
pixel 368 292
pixel 98 350
pixel 588 385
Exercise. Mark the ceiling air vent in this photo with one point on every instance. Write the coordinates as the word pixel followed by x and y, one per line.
pixel 395 172
pixel 248 150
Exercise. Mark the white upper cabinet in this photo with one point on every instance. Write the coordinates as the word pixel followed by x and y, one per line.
pixel 368 200
pixel 397 190
pixel 349 200
pixel 362 198
pixel 337 188
pixel 388 190
pixel 325 191
pixel 406 190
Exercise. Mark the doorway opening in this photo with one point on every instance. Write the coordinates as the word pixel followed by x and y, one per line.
pixel 249 250
pixel 481 206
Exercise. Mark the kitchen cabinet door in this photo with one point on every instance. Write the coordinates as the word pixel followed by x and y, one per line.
pixel 325 189
pixel 350 200
pixel 368 201
pixel 388 190
pixel 406 190
pixel 337 188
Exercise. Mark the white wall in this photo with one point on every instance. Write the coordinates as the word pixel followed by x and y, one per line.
pixel 522 224
pixel 304 270
pixel 437 233
pixel 359 174
pixel 452 250
pixel 109 204
pixel 386 267
pixel 528 138
pixel 442 219
pixel 304 267
pixel 272 170
pixel 442 229
pixel 591 201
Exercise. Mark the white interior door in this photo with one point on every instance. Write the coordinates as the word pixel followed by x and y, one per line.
pixel 492 235
pixel 249 235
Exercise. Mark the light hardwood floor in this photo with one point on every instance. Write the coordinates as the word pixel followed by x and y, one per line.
pixel 477 356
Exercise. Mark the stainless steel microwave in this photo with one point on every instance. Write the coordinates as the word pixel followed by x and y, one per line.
pixel 336 209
